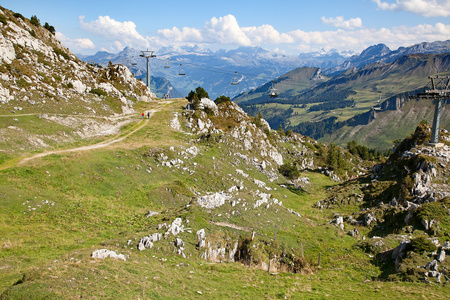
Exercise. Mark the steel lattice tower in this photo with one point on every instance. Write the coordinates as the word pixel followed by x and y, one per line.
pixel 439 91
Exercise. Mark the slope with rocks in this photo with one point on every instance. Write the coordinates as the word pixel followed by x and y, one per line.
pixel 195 205
pixel 42 82
pixel 403 209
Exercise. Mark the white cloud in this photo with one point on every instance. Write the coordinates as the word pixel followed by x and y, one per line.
pixel 339 22
pixel 360 39
pixel 225 32
pixel 266 34
pixel 110 29
pixel 75 45
pixel 427 8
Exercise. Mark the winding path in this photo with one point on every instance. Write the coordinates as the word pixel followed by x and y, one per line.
pixel 90 147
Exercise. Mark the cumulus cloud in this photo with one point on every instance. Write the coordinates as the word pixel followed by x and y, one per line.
pixel 360 39
pixel 427 8
pixel 339 22
pixel 225 31
pixel 110 29
pixel 75 45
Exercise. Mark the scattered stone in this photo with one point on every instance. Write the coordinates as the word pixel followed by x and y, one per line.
pixel 354 233
pixel 179 243
pixel 151 214
pixel 441 256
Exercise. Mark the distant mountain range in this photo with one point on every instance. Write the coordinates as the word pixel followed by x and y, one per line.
pixel 381 53
pixel 330 103
pixel 215 70
pixel 250 66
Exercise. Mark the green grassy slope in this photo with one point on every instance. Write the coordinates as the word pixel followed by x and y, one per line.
pixel 58 209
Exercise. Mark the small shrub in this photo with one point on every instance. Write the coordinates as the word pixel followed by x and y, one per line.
pixel 61 52
pixel 222 99
pixel 35 21
pixel 70 85
pixel 18 16
pixel 422 244
pixel 98 92
pixel 49 28
pixel 3 20
pixel 289 171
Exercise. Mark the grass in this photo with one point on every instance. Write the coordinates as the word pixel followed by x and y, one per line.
pixel 100 200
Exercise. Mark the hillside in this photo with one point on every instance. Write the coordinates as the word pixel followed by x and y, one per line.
pixel 62 98
pixel 318 109
pixel 200 200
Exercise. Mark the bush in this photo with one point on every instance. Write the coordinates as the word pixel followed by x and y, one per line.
pixel 35 21
pixel 222 99
pixel 18 16
pixel 49 28
pixel 3 19
pixel 199 92
pixel 289 171
pixel 98 92
pixel 62 53
pixel 422 244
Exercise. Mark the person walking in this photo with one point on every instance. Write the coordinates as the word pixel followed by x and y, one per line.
pixel 143 116
pixel 148 115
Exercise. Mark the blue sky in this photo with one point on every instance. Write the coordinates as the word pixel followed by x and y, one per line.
pixel 286 26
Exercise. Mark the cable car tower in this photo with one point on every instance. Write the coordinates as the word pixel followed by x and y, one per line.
pixel 440 90
pixel 147 54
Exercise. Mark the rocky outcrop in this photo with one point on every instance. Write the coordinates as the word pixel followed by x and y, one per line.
pixel 45 71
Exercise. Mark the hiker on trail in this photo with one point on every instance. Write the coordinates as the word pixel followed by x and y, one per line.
pixel 148 115
pixel 143 116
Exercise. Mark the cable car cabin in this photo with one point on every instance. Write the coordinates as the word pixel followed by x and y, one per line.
pixel 272 92
pixel 167 65
pixel 235 80
pixel 181 71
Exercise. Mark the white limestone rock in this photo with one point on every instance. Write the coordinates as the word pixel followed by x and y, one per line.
pixel 213 201
pixel 104 253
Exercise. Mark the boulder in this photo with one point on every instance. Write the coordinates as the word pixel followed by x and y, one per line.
pixel 175 228
pixel 201 237
pixel 369 218
pixel 179 243
pixel 104 253
pixel 212 201
pixel 399 251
